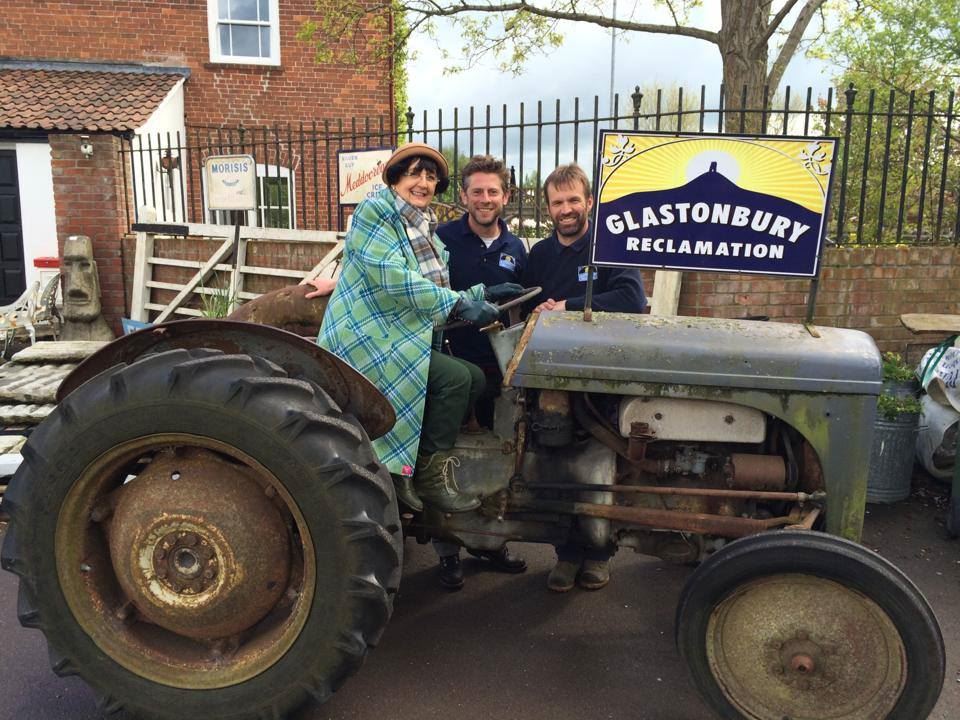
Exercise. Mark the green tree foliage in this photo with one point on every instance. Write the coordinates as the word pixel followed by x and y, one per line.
pixel 401 31
pixel 356 32
pixel 513 30
pixel 897 44
pixel 903 59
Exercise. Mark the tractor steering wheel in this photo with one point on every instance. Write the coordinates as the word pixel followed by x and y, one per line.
pixel 527 294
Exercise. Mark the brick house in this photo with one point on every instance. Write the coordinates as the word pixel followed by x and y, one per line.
pixel 85 84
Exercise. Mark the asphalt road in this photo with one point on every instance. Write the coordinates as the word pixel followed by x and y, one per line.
pixel 506 648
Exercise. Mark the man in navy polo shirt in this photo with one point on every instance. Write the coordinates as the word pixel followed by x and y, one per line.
pixel 559 264
pixel 482 250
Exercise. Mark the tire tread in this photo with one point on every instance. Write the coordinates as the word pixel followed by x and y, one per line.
pixel 332 445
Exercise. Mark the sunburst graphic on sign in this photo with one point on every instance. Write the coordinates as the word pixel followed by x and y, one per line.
pixel 794 170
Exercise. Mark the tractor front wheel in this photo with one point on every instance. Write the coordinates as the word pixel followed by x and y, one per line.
pixel 808 626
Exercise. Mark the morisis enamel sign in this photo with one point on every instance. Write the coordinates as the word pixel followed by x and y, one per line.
pixel 712 202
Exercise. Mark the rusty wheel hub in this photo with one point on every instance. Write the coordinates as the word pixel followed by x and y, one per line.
pixel 183 550
pixel 800 647
pixel 186 563
pixel 801 661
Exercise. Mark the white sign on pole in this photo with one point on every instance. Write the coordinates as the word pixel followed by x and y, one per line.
pixel 360 173
pixel 231 182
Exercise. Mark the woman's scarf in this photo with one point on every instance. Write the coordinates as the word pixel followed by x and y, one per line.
pixel 421 225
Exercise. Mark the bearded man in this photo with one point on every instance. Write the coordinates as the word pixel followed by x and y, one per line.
pixel 560 265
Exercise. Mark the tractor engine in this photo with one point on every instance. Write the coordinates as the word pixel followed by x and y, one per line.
pixel 661 454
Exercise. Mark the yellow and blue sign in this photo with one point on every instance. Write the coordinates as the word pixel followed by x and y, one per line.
pixel 712 202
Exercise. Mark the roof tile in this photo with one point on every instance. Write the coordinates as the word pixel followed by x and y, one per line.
pixel 80 100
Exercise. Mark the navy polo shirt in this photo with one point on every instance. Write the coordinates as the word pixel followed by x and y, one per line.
pixel 472 262
pixel 561 272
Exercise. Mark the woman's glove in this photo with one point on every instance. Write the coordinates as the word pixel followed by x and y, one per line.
pixel 503 291
pixel 477 312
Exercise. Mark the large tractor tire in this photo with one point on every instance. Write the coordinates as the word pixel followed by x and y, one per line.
pixel 808 626
pixel 200 536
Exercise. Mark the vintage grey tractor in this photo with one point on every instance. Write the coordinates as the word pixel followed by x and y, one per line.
pixel 201 529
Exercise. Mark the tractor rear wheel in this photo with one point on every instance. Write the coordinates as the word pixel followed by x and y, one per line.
pixel 808 626
pixel 199 535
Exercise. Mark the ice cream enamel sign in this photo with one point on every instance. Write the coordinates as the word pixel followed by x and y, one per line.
pixel 711 202
pixel 360 173
pixel 231 182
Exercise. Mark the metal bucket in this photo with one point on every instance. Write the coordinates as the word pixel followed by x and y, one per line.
pixel 891 458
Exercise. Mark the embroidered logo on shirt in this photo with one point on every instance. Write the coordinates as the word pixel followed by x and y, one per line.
pixel 582 273
pixel 507 261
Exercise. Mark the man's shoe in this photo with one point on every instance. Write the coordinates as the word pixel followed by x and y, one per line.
pixel 594 574
pixel 405 492
pixel 502 559
pixel 436 485
pixel 451 574
pixel 563 576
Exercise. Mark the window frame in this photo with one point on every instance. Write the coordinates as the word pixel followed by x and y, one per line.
pixel 257 216
pixel 277 173
pixel 213 37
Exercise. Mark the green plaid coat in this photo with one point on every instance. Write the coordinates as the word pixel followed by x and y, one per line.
pixel 381 316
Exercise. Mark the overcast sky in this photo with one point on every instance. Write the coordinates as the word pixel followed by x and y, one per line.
pixel 581 67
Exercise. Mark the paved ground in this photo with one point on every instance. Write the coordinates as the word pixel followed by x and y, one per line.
pixel 504 647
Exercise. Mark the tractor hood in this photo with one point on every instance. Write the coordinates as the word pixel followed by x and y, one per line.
pixel 563 352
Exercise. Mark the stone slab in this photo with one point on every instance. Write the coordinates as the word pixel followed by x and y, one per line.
pixel 58 351
pixel 9 462
pixel 24 414
pixel 930 322
pixel 32 383
pixel 11 443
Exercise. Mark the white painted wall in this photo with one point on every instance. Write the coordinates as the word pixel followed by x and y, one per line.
pixel 153 185
pixel 37 212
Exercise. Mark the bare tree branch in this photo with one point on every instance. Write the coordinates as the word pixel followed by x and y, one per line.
pixel 793 40
pixel 572 15
pixel 513 30
pixel 775 23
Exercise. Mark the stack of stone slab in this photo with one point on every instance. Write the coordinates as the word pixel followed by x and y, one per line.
pixel 28 391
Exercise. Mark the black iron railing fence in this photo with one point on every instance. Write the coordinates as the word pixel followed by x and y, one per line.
pixel 896 177
pixel 296 171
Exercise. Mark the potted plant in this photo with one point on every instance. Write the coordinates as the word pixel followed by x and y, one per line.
pixel 894 432
pixel 900 389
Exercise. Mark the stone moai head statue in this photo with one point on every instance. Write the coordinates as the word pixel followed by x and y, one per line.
pixel 81 284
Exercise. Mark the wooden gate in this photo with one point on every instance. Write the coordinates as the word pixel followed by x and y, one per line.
pixel 200 270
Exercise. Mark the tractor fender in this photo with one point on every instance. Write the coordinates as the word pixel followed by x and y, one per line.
pixel 299 357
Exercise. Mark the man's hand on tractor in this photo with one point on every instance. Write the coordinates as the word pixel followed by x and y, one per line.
pixel 501 292
pixel 551 304
pixel 477 312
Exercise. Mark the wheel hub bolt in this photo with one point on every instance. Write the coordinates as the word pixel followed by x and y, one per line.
pixel 802 663
pixel 187 563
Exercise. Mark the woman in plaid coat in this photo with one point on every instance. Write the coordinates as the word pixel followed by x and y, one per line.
pixel 394 289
